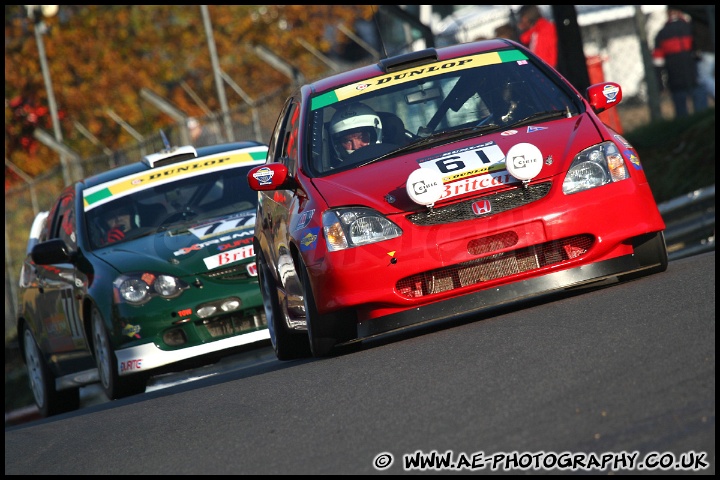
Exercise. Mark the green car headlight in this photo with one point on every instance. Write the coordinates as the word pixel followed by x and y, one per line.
pixel 138 288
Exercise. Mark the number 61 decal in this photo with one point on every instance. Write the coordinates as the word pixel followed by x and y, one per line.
pixel 467 162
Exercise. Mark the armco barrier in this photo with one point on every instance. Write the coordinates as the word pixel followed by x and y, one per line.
pixel 690 223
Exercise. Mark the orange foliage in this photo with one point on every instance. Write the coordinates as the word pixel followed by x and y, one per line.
pixel 100 57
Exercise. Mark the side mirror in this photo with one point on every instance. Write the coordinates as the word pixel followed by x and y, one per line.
pixel 603 96
pixel 50 252
pixel 271 176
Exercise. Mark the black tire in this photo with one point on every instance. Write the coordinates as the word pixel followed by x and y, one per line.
pixel 326 330
pixel 288 345
pixel 112 383
pixel 650 251
pixel 48 399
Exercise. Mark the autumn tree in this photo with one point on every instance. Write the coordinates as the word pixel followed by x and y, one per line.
pixel 100 57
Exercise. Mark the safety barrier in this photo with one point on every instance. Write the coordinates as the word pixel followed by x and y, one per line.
pixel 690 223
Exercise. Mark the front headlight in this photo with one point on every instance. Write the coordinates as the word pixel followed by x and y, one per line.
pixel 138 288
pixel 595 166
pixel 354 226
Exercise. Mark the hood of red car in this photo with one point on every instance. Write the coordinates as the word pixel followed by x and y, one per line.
pixel 382 185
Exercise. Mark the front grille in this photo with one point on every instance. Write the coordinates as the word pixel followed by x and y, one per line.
pixel 235 272
pixel 234 323
pixel 500 202
pixel 494 266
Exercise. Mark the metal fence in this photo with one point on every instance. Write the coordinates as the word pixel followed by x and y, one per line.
pixel 690 223
pixel 616 43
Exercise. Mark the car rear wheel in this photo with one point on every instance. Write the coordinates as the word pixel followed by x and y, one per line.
pixel 287 345
pixel 42 382
pixel 113 384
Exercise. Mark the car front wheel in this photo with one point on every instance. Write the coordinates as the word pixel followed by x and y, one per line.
pixel 287 345
pixel 324 330
pixel 48 399
pixel 113 384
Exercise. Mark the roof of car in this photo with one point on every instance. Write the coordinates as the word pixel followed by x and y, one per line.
pixel 377 69
pixel 141 166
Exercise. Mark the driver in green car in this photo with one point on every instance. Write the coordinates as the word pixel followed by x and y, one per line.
pixel 119 222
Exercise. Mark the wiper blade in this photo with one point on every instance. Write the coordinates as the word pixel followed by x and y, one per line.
pixel 539 117
pixel 178 221
pixel 435 138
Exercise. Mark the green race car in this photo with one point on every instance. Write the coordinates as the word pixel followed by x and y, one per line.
pixel 140 269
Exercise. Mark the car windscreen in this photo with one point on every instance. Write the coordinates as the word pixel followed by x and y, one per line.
pixel 163 207
pixel 497 88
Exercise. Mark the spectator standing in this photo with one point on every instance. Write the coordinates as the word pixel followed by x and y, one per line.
pixel 675 55
pixel 202 135
pixel 538 34
pixel 506 30
pixel 195 129
pixel 705 49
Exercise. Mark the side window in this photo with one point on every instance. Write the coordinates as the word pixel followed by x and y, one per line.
pixel 43 235
pixel 275 147
pixel 63 220
pixel 290 146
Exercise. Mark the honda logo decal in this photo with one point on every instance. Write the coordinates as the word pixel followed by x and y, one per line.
pixel 481 207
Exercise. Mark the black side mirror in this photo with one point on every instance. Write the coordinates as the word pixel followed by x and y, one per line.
pixel 52 251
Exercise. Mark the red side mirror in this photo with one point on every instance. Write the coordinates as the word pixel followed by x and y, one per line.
pixel 604 95
pixel 271 176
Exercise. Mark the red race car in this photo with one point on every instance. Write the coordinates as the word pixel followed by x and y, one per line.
pixel 438 184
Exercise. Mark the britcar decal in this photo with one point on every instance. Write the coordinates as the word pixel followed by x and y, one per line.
pixel 535 129
pixel 100 194
pixel 308 240
pixel 414 74
pixel 476 183
pixel 231 256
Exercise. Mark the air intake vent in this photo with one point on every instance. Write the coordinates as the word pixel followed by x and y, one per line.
pixel 408 60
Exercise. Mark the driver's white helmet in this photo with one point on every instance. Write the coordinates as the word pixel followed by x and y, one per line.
pixel 354 116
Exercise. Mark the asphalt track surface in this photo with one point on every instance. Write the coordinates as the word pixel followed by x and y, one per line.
pixel 624 370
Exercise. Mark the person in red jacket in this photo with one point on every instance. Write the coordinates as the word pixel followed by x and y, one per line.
pixel 538 34
pixel 675 55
